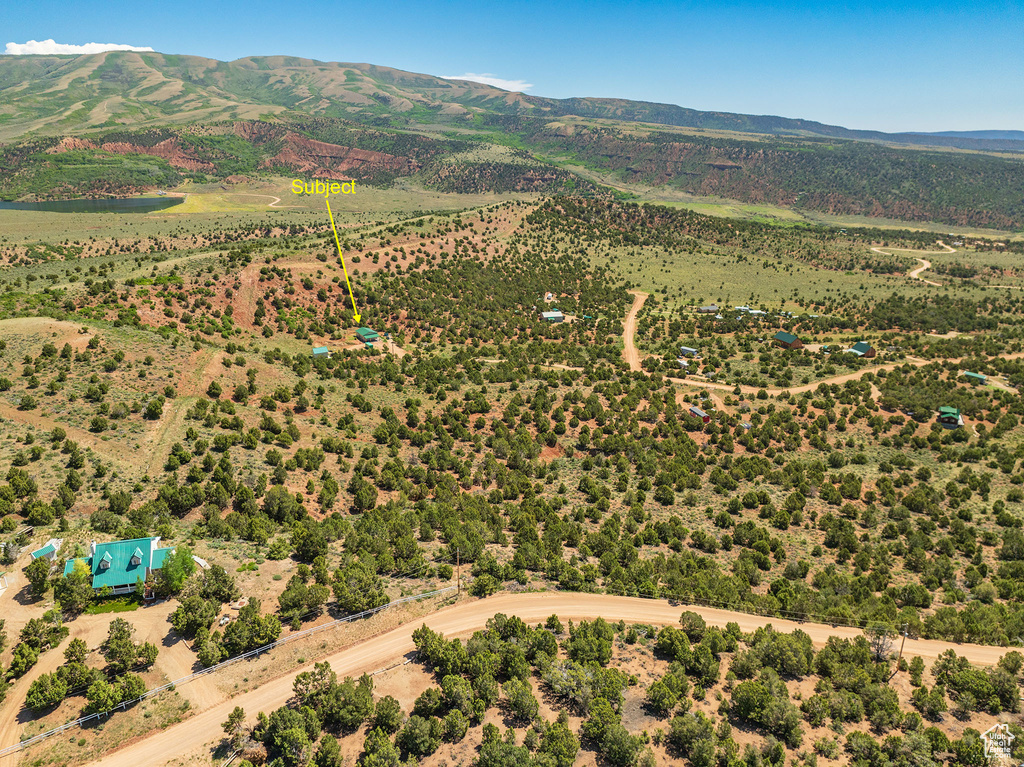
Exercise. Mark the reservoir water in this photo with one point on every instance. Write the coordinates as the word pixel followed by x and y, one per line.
pixel 108 205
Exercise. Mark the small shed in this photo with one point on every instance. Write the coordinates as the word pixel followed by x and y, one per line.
pixel 975 378
pixel 787 340
pixel 367 336
pixel 709 309
pixel 554 316
pixel 862 349
pixel 688 351
pixel 950 418
pixel 321 352
pixel 696 412
pixel 49 551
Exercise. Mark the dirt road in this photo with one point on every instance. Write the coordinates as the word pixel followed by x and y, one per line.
pixel 916 273
pixel 925 264
pixel 629 352
pixel 203 731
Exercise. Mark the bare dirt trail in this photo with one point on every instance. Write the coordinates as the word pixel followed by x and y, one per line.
pixel 916 273
pixel 629 351
pixel 174 416
pixel 916 361
pixel 274 200
pixel 925 264
pixel 196 735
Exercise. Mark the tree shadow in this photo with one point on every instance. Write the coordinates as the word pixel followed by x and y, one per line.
pixel 24 597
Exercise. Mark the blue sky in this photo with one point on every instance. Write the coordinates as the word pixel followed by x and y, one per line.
pixel 907 66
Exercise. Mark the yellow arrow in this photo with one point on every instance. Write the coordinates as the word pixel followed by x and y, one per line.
pixel 342 257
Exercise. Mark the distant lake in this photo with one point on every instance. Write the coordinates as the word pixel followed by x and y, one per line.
pixel 108 205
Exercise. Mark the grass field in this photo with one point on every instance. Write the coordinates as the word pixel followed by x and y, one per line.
pixel 214 208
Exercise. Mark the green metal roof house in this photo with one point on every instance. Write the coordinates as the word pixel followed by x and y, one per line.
pixel 975 378
pixel 788 340
pixel 367 336
pixel 321 351
pixel 950 418
pixel 120 564
pixel 862 349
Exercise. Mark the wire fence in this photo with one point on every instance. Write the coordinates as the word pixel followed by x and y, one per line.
pixel 744 608
pixel 186 679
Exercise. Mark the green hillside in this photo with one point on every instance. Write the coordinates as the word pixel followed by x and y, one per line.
pixel 124 122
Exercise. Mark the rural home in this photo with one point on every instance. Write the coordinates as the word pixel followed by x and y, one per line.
pixel 121 564
pixel 975 378
pixel 367 336
pixel 787 340
pixel 950 418
pixel 688 351
pixel 553 316
pixel 710 309
pixel 862 349
pixel 321 352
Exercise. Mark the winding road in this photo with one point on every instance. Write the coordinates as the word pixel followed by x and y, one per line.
pixel 916 273
pixel 925 264
pixel 203 731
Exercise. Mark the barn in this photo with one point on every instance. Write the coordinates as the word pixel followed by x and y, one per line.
pixel 696 412
pixel 367 336
pixel 788 340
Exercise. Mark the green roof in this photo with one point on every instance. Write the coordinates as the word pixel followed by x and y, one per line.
pixel 947 410
pixel 320 350
pixel 861 346
pixel 121 571
pixel 69 566
pixel 976 376
pixel 159 555
pixel 47 549
pixel 365 334
pixel 786 338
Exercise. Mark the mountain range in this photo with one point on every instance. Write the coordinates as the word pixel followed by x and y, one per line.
pixel 126 118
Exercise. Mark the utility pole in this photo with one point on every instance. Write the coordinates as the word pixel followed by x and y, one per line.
pixel 902 642
pixel 458 571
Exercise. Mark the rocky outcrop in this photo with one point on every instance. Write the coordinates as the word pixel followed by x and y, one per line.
pixel 169 149
pixel 318 159
pixel 70 144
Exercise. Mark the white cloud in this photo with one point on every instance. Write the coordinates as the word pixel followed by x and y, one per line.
pixel 50 47
pixel 489 79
